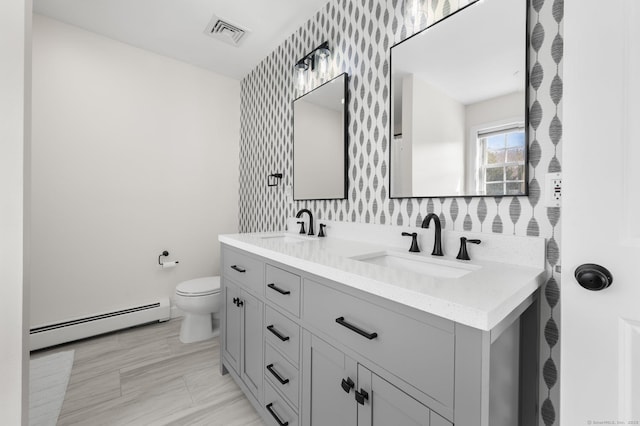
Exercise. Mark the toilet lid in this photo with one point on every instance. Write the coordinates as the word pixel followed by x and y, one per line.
pixel 199 286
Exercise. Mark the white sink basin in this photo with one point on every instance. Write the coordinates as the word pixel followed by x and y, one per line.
pixel 286 238
pixel 419 263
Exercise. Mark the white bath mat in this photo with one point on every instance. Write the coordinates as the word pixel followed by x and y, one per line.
pixel 48 381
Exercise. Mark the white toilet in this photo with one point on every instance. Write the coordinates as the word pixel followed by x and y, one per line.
pixel 199 299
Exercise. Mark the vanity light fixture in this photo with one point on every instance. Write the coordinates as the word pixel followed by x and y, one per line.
pixel 415 11
pixel 318 56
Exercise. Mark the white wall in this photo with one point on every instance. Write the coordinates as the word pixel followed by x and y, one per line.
pixel 15 21
pixel 496 109
pixel 402 155
pixel 133 153
pixel 437 150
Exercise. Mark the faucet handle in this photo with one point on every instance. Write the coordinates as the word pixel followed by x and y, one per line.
pixel 321 232
pixel 302 230
pixel 463 254
pixel 414 241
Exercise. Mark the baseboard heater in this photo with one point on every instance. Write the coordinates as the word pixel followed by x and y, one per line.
pixel 81 328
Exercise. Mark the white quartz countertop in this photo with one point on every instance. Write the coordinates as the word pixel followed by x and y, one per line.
pixel 480 299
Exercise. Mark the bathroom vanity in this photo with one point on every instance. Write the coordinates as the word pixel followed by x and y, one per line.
pixel 323 332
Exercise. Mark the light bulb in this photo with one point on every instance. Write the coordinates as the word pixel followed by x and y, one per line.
pixel 414 9
pixel 301 74
pixel 323 61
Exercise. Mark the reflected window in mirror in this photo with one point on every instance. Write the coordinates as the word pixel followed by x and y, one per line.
pixel 453 85
pixel 502 160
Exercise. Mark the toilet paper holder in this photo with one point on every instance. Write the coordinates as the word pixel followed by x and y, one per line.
pixel 165 254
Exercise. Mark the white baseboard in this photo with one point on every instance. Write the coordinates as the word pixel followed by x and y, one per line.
pixel 80 328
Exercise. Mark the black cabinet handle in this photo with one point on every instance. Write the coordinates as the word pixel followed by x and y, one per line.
pixel 361 396
pixel 276 375
pixel 272 286
pixel 235 301
pixel 277 333
pixel 239 269
pixel 352 327
pixel 240 302
pixel 275 416
pixel 347 385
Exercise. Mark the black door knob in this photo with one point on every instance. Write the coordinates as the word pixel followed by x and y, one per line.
pixel 593 277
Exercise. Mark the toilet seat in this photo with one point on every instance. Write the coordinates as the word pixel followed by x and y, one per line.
pixel 199 287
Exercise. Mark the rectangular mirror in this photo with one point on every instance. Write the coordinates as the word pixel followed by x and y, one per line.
pixel 320 142
pixel 459 124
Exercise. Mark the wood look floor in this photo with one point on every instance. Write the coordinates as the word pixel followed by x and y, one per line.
pixel 146 376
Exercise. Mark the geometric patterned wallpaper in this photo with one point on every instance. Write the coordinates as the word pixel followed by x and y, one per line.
pixel 360 34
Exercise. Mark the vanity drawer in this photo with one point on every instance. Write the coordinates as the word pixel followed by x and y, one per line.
pixel 282 333
pixel 283 289
pixel 278 411
pixel 283 375
pixel 419 353
pixel 243 269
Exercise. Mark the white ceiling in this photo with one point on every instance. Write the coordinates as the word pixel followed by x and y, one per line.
pixel 175 28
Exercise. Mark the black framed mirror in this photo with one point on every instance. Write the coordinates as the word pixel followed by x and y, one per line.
pixel 459 105
pixel 320 142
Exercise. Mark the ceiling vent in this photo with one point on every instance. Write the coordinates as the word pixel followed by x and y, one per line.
pixel 225 31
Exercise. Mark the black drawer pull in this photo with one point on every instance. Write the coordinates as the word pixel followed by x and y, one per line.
pixel 275 416
pixel 361 396
pixel 277 333
pixel 272 286
pixel 347 385
pixel 352 327
pixel 276 375
pixel 237 268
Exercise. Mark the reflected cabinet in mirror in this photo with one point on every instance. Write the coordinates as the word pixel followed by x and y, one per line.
pixel 320 142
pixel 459 105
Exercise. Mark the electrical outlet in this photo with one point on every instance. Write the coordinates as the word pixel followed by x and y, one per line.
pixel 553 189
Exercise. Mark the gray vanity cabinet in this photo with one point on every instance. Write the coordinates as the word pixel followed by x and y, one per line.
pixel 388 405
pixel 232 326
pixel 329 382
pixel 339 391
pixel 243 345
pixel 313 352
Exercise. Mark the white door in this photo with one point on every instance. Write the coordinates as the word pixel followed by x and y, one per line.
pixel 600 330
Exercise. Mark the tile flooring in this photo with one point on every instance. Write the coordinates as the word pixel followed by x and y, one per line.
pixel 146 376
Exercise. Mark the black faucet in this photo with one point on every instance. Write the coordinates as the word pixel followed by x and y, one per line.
pixel 463 254
pixel 311 232
pixel 321 232
pixel 437 244
pixel 414 241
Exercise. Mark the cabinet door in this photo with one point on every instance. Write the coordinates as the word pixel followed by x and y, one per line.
pixel 387 405
pixel 232 325
pixel 252 347
pixel 326 402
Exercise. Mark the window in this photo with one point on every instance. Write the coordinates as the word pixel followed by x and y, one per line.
pixel 502 171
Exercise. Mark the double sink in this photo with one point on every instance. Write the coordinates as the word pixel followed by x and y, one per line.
pixel 413 262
